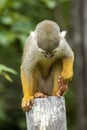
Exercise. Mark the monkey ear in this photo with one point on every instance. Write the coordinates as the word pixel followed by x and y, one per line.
pixel 33 35
pixel 63 34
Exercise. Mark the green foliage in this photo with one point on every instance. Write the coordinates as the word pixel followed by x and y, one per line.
pixel 18 18
pixel 3 71
pixel 3 115
pixel 7 69
pixel 50 3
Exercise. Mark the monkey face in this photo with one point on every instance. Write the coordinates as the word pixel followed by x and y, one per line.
pixel 48 47
pixel 48 54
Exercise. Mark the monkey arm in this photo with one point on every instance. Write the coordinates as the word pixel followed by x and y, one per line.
pixel 67 60
pixel 66 75
pixel 67 71
pixel 27 85
pixel 28 73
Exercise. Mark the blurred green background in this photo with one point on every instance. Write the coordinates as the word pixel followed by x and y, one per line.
pixel 17 19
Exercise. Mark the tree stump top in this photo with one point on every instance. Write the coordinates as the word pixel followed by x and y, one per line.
pixel 47 114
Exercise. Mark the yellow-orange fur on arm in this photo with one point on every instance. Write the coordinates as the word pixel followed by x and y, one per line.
pixel 67 71
pixel 27 85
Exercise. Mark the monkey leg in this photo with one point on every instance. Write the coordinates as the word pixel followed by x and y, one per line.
pixel 55 85
pixel 28 91
pixel 67 71
pixel 56 72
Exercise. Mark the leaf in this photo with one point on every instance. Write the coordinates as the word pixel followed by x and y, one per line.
pixel 7 76
pixel 7 69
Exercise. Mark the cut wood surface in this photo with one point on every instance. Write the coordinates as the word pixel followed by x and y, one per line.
pixel 47 114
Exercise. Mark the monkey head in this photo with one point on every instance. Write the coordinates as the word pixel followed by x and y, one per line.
pixel 47 35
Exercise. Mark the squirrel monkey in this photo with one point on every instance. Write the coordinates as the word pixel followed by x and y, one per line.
pixel 47 63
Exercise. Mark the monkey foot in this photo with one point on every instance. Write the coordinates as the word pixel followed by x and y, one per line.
pixel 27 103
pixel 63 85
pixel 40 95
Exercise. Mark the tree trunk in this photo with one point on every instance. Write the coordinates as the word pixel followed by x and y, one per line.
pixel 79 41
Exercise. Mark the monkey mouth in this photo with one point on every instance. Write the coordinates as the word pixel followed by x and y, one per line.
pixel 48 55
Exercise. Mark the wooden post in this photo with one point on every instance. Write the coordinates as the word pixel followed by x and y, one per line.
pixel 47 114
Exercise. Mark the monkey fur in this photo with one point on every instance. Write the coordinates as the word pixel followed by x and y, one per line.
pixel 47 63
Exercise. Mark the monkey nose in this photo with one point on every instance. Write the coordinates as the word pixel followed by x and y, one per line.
pixel 49 55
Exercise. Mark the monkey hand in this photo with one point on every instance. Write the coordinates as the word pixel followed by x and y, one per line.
pixel 27 103
pixel 63 85
pixel 40 95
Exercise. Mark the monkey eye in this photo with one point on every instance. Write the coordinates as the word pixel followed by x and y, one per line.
pixel 42 51
pixel 55 50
